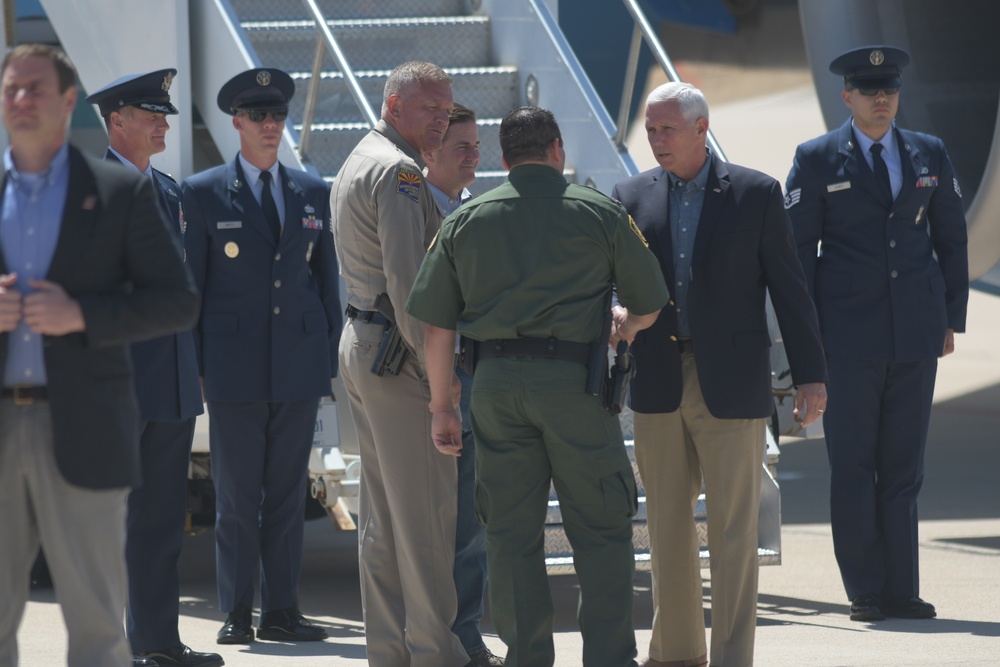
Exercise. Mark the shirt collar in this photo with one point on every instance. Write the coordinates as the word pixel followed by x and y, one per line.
pixel 865 142
pixel 59 164
pixel 252 174
pixel 443 201
pixel 128 163
pixel 700 180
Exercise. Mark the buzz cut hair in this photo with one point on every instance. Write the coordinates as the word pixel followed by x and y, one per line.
pixel 691 101
pixel 414 71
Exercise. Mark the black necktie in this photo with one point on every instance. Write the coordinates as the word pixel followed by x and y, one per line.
pixel 269 207
pixel 881 171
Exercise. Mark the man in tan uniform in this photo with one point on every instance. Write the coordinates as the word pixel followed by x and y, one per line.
pixel 384 218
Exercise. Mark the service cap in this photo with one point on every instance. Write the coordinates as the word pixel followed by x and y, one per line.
pixel 149 91
pixel 261 88
pixel 871 66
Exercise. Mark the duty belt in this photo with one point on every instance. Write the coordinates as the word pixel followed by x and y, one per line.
pixel 372 316
pixel 535 348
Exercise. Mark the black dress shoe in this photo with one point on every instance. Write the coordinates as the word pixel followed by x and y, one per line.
pixel 139 661
pixel 184 656
pixel 909 608
pixel 485 658
pixel 288 625
pixel 867 607
pixel 238 628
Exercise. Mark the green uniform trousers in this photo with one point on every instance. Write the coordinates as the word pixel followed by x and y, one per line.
pixel 534 425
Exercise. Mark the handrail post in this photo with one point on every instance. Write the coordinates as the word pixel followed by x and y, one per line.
pixel 630 72
pixel 307 116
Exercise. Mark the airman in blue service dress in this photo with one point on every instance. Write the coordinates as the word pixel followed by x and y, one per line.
pixel 891 284
pixel 134 109
pixel 260 248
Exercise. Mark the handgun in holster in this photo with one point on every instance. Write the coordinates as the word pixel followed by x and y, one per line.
pixel 616 384
pixel 392 352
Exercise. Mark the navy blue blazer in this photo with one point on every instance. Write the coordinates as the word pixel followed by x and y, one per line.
pixel 166 369
pixel 743 248
pixel 117 258
pixel 890 279
pixel 270 317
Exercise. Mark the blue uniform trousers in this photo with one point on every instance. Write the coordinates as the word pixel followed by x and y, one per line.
pixel 156 516
pixel 470 536
pixel 260 458
pixel 876 434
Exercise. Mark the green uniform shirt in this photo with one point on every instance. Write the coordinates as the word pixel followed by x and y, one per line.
pixel 535 258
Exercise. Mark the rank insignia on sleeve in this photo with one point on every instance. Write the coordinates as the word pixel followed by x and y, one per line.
pixel 635 229
pixel 408 183
pixel 792 198
pixel 958 190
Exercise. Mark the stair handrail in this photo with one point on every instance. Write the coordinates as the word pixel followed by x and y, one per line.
pixel 643 31
pixel 327 42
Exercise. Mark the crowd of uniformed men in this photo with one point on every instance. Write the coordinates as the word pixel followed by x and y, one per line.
pixel 108 358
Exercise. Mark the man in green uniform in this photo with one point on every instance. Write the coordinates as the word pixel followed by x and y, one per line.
pixel 526 270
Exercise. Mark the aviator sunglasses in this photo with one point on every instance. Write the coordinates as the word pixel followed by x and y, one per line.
pixel 258 115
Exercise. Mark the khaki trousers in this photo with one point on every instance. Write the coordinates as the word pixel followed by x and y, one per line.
pixel 674 452
pixel 82 532
pixel 408 508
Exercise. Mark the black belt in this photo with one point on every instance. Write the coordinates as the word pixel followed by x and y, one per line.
pixel 537 348
pixel 26 394
pixel 372 316
pixel 684 344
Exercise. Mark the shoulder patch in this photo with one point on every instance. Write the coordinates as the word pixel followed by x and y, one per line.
pixel 408 183
pixel 792 198
pixel 635 229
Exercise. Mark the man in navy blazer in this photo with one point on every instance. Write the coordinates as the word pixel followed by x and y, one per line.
pixel 702 391
pixel 135 110
pixel 260 246
pixel 88 266
pixel 891 284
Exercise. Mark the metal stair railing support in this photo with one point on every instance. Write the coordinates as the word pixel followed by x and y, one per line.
pixel 643 31
pixel 327 42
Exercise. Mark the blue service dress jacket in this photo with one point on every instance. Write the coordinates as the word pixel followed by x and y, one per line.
pixel 271 317
pixel 889 278
pixel 118 259
pixel 166 369
pixel 743 249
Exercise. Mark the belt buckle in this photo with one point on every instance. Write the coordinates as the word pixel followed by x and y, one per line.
pixel 21 396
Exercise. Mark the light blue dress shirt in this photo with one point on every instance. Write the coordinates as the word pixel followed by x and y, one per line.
pixel 686 200
pixel 29 230
pixel 252 174
pixel 890 155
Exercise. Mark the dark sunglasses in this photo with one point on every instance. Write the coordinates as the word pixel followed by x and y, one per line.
pixel 258 115
pixel 872 92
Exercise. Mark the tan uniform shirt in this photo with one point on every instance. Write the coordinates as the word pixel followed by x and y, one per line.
pixel 384 218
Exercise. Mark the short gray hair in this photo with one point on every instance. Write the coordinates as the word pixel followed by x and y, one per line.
pixel 414 71
pixel 691 101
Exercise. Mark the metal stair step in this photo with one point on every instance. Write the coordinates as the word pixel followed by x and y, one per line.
pixel 269 10
pixel 559 553
pixel 456 41
pixel 490 91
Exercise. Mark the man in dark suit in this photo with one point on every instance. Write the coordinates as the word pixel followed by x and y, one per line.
pixel 703 388
pixel 891 284
pixel 88 266
pixel 260 247
pixel 135 110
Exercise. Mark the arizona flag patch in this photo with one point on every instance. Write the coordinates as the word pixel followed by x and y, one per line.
pixel 408 183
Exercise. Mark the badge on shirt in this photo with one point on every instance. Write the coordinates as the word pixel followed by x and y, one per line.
pixel 229 224
pixel 793 197
pixel 232 250
pixel 837 187
pixel 408 183
pixel 927 182
pixel 635 229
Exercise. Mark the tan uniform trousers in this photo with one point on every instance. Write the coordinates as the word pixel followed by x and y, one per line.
pixel 408 506
pixel 675 451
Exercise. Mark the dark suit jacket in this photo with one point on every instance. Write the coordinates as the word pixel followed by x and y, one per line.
pixel 743 248
pixel 891 279
pixel 166 368
pixel 117 258
pixel 270 319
